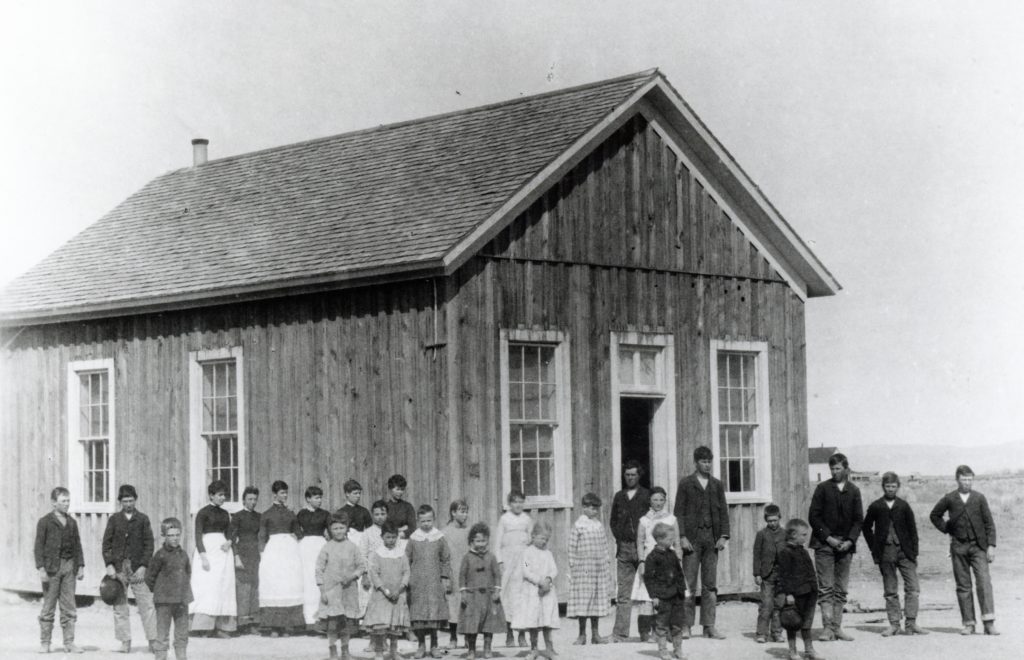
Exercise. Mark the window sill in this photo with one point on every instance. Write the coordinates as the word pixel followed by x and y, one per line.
pixel 534 504
pixel 747 498
pixel 94 507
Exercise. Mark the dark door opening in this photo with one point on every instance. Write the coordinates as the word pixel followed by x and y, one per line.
pixel 636 416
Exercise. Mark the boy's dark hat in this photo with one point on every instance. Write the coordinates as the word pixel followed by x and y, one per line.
pixel 790 618
pixel 111 590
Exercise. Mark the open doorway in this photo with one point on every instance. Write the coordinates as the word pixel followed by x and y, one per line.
pixel 636 419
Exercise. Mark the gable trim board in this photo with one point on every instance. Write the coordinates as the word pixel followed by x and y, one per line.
pixel 654 99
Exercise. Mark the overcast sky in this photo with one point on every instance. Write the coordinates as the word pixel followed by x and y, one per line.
pixel 889 134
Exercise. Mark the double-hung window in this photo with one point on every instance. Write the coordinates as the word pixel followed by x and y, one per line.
pixel 536 425
pixel 91 435
pixel 739 390
pixel 217 448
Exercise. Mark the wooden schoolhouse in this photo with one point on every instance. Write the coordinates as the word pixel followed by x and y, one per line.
pixel 521 295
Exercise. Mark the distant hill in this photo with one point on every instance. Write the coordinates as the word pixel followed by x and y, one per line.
pixel 936 459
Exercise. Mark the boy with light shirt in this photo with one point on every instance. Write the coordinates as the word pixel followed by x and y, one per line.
pixel 972 547
pixel 891 533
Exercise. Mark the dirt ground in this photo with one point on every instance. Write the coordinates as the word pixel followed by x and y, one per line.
pixel 19 632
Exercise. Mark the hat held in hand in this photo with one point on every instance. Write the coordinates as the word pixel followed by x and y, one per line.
pixel 111 590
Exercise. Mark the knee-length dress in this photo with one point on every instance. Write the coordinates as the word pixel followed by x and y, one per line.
pixel 313 529
pixel 214 605
pixel 359 539
pixel 511 537
pixel 480 579
pixel 458 545
pixel 645 543
pixel 589 575
pixel 281 593
pixel 429 563
pixel 245 533
pixel 337 564
pixel 534 610
pixel 389 569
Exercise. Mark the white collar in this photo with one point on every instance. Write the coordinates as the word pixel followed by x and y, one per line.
pixel 432 535
pixel 585 521
pixel 390 553
pixel 656 515
pixel 890 503
pixel 964 496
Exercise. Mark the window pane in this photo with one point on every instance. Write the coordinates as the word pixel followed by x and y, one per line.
pixel 83 390
pixel 208 415
pixel 229 372
pixel 220 379
pixel 547 364
pixel 530 477
pixel 548 402
pixel 734 484
pixel 515 364
pixel 734 443
pixel 625 366
pixel 85 421
pixel 531 370
pixel 517 474
pixel 515 400
pixel 220 415
pixel 547 477
pixel 723 366
pixel 232 414
pixel 529 442
pixel 734 371
pixel 749 372
pixel 104 388
pixel 750 404
pixel 208 380
pixel 545 442
pixel 748 475
pixel 647 375
pixel 531 404
pixel 96 417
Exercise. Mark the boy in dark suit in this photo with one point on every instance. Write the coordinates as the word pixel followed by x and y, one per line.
pixel 767 544
pixel 663 577
pixel 972 547
pixel 703 518
pixel 836 515
pixel 170 580
pixel 628 507
pixel 891 533
pixel 60 563
pixel 127 549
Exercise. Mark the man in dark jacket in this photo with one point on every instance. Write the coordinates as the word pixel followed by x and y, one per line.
pixel 59 560
pixel 972 547
pixel 127 549
pixel 628 506
pixel 891 533
pixel 836 515
pixel 703 518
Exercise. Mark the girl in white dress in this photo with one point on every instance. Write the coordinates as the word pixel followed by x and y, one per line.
pixel 537 607
pixel 511 536
pixel 645 543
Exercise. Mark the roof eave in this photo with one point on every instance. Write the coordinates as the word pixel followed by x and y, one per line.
pixel 350 279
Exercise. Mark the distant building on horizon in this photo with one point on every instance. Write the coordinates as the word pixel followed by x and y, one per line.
pixel 817 462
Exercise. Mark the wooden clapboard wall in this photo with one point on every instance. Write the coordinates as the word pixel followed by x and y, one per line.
pixel 628 241
pixel 337 386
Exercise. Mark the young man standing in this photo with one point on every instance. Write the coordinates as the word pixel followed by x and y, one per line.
pixel 628 506
pixel 703 518
pixel 891 533
pixel 59 560
pixel 972 547
pixel 836 515
pixel 127 549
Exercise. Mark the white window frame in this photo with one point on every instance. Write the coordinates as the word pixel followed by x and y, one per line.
pixel 75 450
pixel 762 435
pixel 562 437
pixel 664 439
pixel 197 445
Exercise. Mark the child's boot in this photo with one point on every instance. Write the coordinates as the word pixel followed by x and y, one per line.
pixel 395 655
pixel 677 647
pixel 663 652
pixel 487 647
pixel 332 652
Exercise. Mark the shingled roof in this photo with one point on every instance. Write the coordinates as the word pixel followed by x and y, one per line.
pixel 395 201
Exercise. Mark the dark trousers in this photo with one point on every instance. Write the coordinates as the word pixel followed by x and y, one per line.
pixel 626 563
pixel 670 617
pixel 165 614
pixel 767 614
pixel 890 585
pixel 703 560
pixel 60 588
pixel 967 557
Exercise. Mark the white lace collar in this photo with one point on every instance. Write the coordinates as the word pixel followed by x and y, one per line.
pixel 390 553
pixel 586 521
pixel 656 515
pixel 419 535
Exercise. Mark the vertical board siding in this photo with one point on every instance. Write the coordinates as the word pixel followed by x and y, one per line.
pixel 615 247
pixel 337 386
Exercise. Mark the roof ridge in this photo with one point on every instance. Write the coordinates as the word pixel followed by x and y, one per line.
pixel 644 75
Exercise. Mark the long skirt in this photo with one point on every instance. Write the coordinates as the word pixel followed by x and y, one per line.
pixel 213 592
pixel 510 586
pixel 309 548
pixel 281 594
pixel 641 599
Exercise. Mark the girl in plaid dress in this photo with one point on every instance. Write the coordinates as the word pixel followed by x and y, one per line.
pixel 589 581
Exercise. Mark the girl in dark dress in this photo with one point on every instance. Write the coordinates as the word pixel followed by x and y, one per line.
pixel 213 578
pixel 313 523
pixel 280 566
pixel 245 533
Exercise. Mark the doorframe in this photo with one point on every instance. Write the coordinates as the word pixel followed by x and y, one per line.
pixel 664 438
